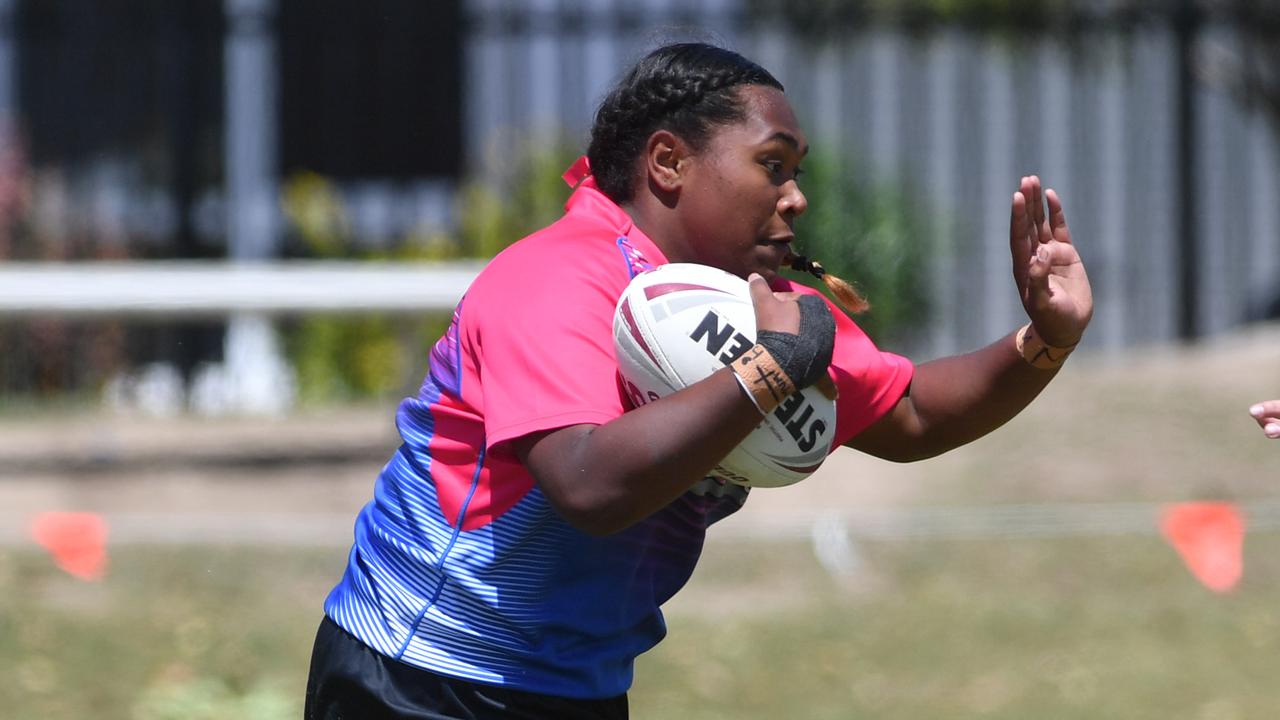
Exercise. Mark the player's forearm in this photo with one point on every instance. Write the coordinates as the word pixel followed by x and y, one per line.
pixel 607 478
pixel 960 398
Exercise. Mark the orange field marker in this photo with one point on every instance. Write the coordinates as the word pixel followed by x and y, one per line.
pixel 77 541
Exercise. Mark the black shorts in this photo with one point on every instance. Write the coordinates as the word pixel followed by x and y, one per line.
pixel 349 681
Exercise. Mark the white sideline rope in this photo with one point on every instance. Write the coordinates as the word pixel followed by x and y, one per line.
pixel 834 534
pixel 987 521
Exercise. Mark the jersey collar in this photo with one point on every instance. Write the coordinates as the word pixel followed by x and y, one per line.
pixel 588 199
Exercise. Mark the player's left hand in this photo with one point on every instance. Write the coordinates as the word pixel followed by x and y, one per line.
pixel 1051 278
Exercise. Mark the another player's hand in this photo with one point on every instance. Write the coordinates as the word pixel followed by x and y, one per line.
pixel 1051 278
pixel 1268 416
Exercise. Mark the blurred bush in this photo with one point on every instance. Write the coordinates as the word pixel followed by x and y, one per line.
pixel 861 232
pixel 527 195
pixel 867 234
pixel 353 358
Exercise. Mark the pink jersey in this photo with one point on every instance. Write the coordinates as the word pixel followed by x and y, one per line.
pixel 460 565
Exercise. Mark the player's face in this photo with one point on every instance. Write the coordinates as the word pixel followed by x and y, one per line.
pixel 742 198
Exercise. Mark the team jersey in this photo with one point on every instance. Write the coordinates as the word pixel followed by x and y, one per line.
pixel 460 566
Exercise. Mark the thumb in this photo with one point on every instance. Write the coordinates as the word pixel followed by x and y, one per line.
pixel 1038 269
pixel 759 288
pixel 772 313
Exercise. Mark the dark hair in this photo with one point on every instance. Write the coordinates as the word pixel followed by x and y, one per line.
pixel 686 88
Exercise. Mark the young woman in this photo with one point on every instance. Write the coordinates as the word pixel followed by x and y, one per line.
pixel 520 543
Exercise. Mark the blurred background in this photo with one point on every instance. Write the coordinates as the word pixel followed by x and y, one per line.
pixel 230 230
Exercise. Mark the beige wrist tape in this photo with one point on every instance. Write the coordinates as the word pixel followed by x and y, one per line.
pixel 1039 353
pixel 763 379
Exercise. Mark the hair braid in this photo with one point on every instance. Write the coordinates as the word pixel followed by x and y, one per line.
pixel 685 88
pixel 846 294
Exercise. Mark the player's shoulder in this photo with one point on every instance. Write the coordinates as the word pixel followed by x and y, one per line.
pixel 567 248
pixel 570 264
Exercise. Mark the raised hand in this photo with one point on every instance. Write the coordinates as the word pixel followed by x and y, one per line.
pixel 1051 279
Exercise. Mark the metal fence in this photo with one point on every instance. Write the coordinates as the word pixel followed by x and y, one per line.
pixel 952 115
pixel 1169 174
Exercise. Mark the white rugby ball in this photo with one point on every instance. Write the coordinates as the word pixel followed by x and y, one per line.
pixel 678 323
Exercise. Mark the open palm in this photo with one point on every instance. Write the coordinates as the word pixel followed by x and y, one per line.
pixel 1051 278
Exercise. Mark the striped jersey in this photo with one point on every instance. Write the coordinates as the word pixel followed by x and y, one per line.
pixel 459 565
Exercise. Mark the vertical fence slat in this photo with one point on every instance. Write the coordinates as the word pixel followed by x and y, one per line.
pixel 999 110
pixel 1264 181
pixel 1111 287
pixel 882 102
pixel 941 171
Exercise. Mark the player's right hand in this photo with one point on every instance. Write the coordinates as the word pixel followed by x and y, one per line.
pixel 796 328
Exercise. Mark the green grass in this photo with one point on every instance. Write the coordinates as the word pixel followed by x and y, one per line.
pixel 1016 629
pixel 170 633
pixel 1065 628
pixel 1058 628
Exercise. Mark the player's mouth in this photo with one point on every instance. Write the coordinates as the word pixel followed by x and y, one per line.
pixel 781 246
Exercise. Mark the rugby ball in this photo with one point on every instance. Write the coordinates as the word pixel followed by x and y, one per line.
pixel 678 323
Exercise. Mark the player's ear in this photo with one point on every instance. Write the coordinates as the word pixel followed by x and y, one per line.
pixel 666 157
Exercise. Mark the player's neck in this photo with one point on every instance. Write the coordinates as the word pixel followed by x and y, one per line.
pixel 660 223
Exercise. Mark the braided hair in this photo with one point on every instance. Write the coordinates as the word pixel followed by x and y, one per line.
pixel 846 294
pixel 688 89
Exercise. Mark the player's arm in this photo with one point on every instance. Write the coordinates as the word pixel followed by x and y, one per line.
pixel 955 400
pixel 604 478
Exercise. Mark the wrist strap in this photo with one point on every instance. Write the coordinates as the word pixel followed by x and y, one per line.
pixel 763 379
pixel 1037 352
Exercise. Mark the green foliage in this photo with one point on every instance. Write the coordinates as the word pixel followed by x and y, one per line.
pixel 495 214
pixel 353 358
pixel 359 357
pixel 860 232
pixel 866 234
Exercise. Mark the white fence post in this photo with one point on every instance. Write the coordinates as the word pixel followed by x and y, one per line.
pixel 252 350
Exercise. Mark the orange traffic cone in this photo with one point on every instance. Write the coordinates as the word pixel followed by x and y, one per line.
pixel 77 541
pixel 1210 538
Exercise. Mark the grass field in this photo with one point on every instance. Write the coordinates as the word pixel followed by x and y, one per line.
pixel 1075 626
pixel 1061 628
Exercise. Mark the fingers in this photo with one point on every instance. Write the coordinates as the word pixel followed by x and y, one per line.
pixel 1057 218
pixel 760 290
pixel 1019 220
pixel 1020 236
pixel 1039 268
pixel 828 387
pixel 772 313
pixel 1036 206
pixel 1267 414
pixel 1047 259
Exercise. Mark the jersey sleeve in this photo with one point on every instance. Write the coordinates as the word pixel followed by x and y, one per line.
pixel 870 381
pixel 542 344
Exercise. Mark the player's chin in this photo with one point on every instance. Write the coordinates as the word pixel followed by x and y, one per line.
pixel 770 259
